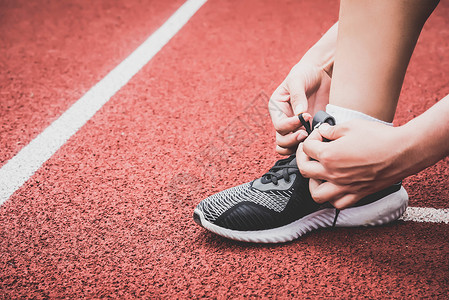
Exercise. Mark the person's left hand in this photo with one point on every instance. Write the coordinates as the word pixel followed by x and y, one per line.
pixel 305 90
pixel 362 157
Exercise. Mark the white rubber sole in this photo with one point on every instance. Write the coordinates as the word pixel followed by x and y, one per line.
pixel 381 212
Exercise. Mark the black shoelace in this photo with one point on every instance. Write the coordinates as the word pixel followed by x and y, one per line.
pixel 273 175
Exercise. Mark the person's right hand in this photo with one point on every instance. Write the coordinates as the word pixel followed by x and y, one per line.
pixel 305 90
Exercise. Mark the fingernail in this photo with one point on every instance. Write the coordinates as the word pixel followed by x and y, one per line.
pixel 307 117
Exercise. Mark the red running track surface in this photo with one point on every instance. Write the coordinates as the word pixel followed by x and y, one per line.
pixel 110 213
pixel 53 52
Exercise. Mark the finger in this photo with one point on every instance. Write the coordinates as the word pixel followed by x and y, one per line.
pixel 332 132
pixel 315 135
pixel 285 151
pixel 286 125
pixel 290 140
pixel 280 108
pixel 302 135
pixel 314 146
pixel 309 168
pixel 301 157
pixel 313 186
pixel 323 192
pixel 346 201
pixel 298 99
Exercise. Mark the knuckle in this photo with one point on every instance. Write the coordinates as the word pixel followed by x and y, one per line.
pixel 277 127
pixel 315 195
pixel 334 177
pixel 278 140
pixel 284 143
pixel 303 173
pixel 283 151
pixel 306 145
pixel 280 150
pixel 342 178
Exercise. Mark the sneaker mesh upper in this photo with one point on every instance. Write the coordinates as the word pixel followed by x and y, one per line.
pixel 215 205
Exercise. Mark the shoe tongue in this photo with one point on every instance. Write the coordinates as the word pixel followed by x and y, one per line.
pixel 289 163
pixel 292 162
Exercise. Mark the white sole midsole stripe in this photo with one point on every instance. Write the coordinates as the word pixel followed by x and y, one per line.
pixel 25 163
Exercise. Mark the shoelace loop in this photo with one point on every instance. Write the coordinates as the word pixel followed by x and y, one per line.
pixel 273 175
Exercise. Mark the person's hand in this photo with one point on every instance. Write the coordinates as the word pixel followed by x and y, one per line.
pixel 306 89
pixel 362 157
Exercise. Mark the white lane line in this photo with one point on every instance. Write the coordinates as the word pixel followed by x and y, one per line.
pixel 22 166
pixel 426 214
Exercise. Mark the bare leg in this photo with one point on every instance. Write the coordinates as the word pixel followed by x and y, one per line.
pixel 375 42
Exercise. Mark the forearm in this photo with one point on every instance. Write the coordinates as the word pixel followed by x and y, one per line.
pixel 427 137
pixel 323 52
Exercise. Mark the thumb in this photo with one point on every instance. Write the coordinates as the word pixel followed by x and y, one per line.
pixel 298 99
pixel 331 132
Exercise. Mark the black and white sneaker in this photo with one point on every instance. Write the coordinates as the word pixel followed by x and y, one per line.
pixel 278 206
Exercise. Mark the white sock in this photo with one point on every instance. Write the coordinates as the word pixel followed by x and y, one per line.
pixel 342 114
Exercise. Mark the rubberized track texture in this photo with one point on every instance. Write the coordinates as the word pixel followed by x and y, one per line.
pixel 109 214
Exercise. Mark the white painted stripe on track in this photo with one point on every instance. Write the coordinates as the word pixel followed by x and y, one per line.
pixel 426 214
pixel 22 166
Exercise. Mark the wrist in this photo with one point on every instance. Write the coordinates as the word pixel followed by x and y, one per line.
pixel 414 148
pixel 321 57
pixel 322 54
